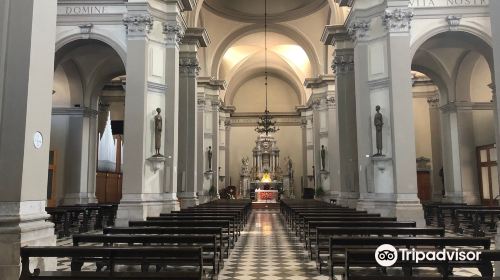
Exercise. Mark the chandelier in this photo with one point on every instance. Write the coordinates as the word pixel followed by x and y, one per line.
pixel 266 124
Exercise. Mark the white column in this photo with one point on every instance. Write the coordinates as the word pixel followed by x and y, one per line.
pixel 173 29
pixel 142 182
pixel 326 134
pixel 208 136
pixel 383 65
pixel 77 187
pixel 437 151
pixel 459 150
pixel 27 53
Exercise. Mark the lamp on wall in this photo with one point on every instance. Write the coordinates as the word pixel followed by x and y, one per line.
pixel 265 124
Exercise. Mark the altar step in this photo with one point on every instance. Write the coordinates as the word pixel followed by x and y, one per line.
pixel 266 206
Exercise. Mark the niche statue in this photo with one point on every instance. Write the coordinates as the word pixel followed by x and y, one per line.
pixel 209 154
pixel 379 123
pixel 158 129
pixel 323 157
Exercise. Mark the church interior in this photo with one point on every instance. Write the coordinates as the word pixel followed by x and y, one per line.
pixel 264 139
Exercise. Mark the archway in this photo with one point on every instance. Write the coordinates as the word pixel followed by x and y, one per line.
pixel 83 71
pixel 454 65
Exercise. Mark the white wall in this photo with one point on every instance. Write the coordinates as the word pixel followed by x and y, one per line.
pixel 250 97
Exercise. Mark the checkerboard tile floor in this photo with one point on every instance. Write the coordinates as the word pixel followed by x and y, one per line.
pixel 268 251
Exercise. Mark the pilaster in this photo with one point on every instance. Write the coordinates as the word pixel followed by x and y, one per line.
pixel 143 192
pixel 343 68
pixel 209 137
pixel 495 29
pixel 187 184
pixel 388 182
pixel 27 52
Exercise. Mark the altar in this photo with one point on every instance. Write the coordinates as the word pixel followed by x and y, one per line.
pixel 267 196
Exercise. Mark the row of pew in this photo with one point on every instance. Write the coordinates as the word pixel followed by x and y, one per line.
pixel 344 241
pixel 475 220
pixel 188 244
pixel 81 218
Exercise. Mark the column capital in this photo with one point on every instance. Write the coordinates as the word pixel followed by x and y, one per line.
pixel 343 63
pixel 189 65
pixel 357 29
pixel 397 20
pixel 138 25
pixel 174 32
pixel 433 101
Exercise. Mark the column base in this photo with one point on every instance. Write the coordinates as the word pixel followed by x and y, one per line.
pixel 205 198
pixel 348 199
pixel 462 197
pixel 403 207
pixel 138 207
pixel 187 199
pixel 79 198
pixel 23 224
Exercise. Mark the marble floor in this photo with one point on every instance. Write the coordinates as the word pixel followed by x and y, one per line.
pixel 267 251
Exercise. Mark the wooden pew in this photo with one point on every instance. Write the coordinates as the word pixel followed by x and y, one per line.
pixel 311 225
pixel 323 234
pixel 158 256
pixel 209 243
pixel 365 258
pixel 233 226
pixel 218 231
pixel 239 215
pixel 225 225
pixel 475 219
pixel 339 245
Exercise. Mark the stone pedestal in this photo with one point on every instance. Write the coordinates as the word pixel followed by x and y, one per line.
pixel 187 199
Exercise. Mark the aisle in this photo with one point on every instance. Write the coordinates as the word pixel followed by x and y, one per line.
pixel 266 251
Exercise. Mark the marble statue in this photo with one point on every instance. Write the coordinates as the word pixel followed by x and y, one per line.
pixel 158 129
pixel 379 123
pixel 323 157
pixel 209 153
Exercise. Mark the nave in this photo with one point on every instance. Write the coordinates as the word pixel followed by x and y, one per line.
pixel 295 241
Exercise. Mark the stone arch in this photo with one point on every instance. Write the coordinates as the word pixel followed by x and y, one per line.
pixel 66 38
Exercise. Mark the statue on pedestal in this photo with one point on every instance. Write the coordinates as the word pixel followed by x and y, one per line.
pixel 323 157
pixel 379 123
pixel 245 167
pixel 209 153
pixel 158 129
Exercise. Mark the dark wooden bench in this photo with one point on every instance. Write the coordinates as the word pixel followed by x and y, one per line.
pixel 310 229
pixel 234 226
pixel 323 235
pixel 225 225
pixel 210 244
pixel 475 219
pixel 365 258
pixel 300 224
pixel 239 219
pixel 192 257
pixel 218 231
pixel 339 245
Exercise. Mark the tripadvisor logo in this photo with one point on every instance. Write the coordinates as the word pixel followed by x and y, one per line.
pixel 387 255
